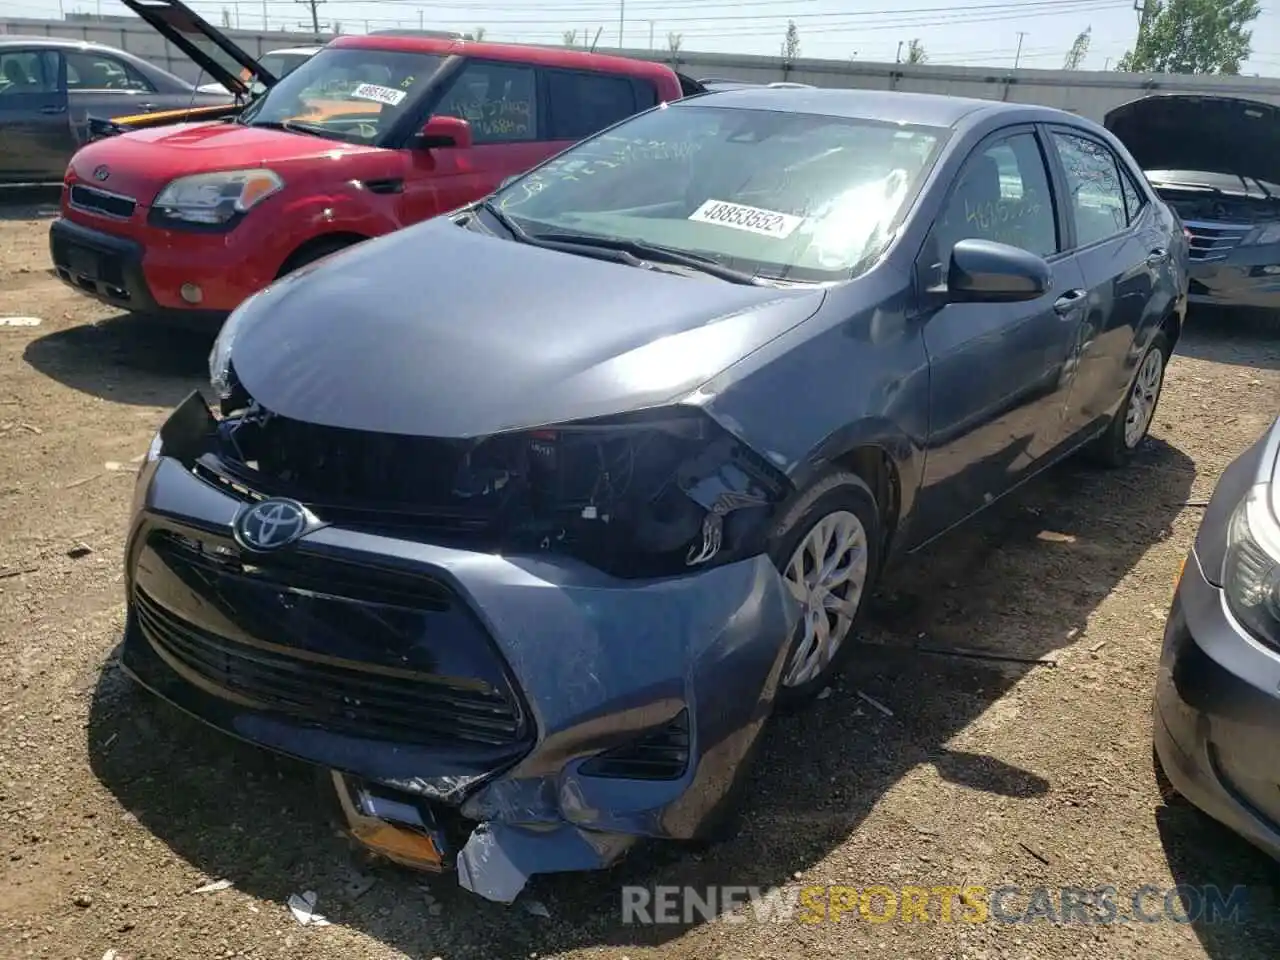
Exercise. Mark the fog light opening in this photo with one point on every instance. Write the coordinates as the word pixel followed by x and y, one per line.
pixel 191 293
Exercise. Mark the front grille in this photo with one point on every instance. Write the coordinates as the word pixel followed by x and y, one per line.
pixel 660 755
pixel 1213 241
pixel 101 202
pixel 342 697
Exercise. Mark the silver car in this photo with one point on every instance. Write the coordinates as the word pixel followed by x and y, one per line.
pixel 50 87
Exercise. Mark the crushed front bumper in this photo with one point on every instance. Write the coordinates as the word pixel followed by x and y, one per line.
pixel 590 665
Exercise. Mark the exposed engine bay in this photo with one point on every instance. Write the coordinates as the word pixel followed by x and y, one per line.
pixel 1192 201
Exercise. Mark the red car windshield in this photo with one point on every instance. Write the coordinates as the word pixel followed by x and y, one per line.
pixel 353 94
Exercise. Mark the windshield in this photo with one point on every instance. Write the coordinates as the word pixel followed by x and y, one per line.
pixel 781 195
pixel 349 94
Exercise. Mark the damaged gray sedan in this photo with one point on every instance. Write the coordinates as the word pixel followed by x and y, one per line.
pixel 522 521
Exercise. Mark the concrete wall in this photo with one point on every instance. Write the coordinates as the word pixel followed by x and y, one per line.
pixel 1088 93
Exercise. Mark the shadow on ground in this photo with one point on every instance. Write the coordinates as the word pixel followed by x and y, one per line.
pixel 235 812
pixel 126 359
pixel 1230 888
pixel 1242 338
pixel 29 203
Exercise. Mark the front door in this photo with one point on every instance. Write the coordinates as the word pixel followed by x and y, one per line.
pixel 999 373
pixel 35 127
pixel 500 102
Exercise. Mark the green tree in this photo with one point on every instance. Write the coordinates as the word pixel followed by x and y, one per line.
pixel 1079 50
pixel 915 52
pixel 791 42
pixel 1193 36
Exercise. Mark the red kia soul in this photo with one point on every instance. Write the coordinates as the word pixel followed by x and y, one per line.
pixel 370 135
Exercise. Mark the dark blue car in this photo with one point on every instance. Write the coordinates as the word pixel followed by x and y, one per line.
pixel 523 520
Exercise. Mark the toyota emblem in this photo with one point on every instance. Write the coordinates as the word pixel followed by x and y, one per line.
pixel 101 173
pixel 271 524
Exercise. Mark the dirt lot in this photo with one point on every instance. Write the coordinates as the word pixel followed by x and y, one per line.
pixel 113 810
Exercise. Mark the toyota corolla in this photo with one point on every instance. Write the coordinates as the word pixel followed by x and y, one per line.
pixel 523 520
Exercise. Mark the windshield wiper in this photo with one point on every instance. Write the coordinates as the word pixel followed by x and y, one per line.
pixel 293 126
pixel 633 253
pixel 656 254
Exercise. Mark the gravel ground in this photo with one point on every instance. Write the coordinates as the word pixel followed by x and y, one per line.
pixel 919 769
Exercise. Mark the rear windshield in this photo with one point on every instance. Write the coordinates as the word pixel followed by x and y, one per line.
pixel 348 94
pixel 791 196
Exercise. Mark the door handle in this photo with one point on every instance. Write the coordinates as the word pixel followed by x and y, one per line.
pixel 1157 256
pixel 147 106
pixel 53 110
pixel 1068 301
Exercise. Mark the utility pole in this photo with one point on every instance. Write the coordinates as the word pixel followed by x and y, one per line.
pixel 421 24
pixel 622 13
pixel 650 34
pixel 266 23
pixel 897 58
pixel 1017 57
pixel 315 13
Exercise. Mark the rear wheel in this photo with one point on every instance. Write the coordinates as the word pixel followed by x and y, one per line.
pixel 1132 422
pixel 827 548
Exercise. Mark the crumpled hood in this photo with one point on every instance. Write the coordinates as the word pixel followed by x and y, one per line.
pixel 141 162
pixel 440 331
pixel 1209 134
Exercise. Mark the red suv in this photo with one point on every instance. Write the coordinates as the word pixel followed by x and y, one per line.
pixel 370 135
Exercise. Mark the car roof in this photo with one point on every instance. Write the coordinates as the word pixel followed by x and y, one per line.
pixel 514 52
pixel 924 109
pixel 19 40
pixel 304 51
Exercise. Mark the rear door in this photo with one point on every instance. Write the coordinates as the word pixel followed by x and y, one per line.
pixel 1123 251
pixel 35 126
pixel 999 373
pixel 500 102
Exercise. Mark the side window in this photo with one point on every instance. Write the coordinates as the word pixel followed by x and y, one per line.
pixel 28 71
pixel 581 104
pixel 95 71
pixel 1094 192
pixel 1134 199
pixel 1003 195
pixel 499 101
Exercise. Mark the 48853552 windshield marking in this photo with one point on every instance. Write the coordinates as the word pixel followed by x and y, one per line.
pixel 768 223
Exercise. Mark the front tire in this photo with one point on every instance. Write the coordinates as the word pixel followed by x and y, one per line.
pixel 1132 422
pixel 827 547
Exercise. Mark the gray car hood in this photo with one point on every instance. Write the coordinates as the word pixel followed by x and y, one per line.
pixel 441 331
pixel 1209 134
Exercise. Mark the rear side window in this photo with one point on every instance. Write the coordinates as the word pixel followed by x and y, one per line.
pixel 28 71
pixel 499 100
pixel 581 103
pixel 1094 189
pixel 94 71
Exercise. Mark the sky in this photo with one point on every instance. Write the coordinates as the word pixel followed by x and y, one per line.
pixel 972 33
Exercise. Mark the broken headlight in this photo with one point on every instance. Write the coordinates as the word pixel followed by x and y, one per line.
pixel 1251 572
pixel 643 495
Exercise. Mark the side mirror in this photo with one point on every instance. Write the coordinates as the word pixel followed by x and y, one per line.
pixel 982 271
pixel 445 132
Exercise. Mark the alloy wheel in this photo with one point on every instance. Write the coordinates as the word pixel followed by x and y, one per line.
pixel 826 575
pixel 1142 401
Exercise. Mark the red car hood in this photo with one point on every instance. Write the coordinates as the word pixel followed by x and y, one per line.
pixel 140 163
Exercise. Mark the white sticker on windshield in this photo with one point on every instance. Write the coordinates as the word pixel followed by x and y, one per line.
pixel 371 91
pixel 767 223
